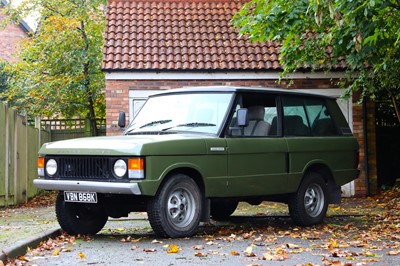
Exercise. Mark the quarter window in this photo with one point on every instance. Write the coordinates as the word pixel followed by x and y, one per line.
pixel 305 117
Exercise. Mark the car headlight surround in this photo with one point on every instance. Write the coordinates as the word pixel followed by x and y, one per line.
pixel 120 168
pixel 51 167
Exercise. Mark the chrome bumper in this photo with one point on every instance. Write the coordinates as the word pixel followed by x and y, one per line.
pixel 100 187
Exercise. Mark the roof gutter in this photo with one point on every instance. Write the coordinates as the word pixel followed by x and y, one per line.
pixel 215 75
pixel 366 157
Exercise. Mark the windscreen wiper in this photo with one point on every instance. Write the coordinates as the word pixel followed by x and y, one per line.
pixel 158 122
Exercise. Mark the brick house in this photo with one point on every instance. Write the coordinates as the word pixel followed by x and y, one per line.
pixel 10 36
pixel 153 45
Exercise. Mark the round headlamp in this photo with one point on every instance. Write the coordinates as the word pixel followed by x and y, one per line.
pixel 120 168
pixel 51 167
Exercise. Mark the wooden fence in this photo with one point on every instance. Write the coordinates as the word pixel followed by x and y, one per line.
pixel 19 145
pixel 61 129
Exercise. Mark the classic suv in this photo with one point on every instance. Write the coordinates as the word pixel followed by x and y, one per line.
pixel 194 153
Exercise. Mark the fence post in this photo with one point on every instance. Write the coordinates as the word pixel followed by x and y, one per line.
pixel 39 127
pixel 88 128
pixel 7 155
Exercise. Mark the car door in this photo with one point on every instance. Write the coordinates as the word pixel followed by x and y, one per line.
pixel 257 161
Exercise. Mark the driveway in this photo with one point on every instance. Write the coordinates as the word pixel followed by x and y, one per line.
pixel 361 231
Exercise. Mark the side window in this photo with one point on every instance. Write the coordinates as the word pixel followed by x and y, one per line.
pixel 321 121
pixel 262 113
pixel 295 121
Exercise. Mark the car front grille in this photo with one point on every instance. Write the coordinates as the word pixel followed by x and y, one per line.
pixel 84 168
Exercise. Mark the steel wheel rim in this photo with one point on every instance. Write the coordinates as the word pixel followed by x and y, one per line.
pixel 181 207
pixel 314 200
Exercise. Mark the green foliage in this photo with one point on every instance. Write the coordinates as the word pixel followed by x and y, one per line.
pixel 59 71
pixel 3 79
pixel 317 34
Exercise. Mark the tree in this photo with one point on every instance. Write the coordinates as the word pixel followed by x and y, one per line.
pixel 59 71
pixel 3 79
pixel 320 34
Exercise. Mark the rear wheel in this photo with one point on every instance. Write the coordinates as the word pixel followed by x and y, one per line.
pixel 175 210
pixel 309 204
pixel 221 209
pixel 79 218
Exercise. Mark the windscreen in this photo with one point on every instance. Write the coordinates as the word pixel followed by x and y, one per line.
pixel 194 112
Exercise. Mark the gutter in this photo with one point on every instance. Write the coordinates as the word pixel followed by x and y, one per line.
pixel 366 156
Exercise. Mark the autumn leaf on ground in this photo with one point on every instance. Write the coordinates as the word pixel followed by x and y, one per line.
pixel 56 252
pixel 394 252
pixel 155 241
pixel 333 245
pixel 81 255
pixel 199 254
pixel 267 256
pixel 134 247
pixel 248 252
pixel 292 246
pixel 149 250
pixel 327 262
pixel 198 247
pixel 173 248
pixel 281 255
pixel 234 253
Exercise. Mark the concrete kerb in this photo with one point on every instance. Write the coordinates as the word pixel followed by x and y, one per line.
pixel 20 247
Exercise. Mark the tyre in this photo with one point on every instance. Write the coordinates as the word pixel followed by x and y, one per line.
pixel 309 204
pixel 79 218
pixel 221 209
pixel 175 210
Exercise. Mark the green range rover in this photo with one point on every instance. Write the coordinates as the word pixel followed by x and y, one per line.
pixel 194 153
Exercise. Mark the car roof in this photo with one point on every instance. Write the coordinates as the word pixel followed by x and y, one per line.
pixel 240 89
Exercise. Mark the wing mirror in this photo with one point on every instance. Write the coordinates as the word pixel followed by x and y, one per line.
pixel 242 117
pixel 121 119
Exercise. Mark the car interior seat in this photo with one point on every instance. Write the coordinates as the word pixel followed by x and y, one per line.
pixel 257 125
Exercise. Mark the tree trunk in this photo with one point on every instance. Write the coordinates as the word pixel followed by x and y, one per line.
pixel 396 106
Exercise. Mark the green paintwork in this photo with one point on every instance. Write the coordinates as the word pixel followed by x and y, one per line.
pixel 228 166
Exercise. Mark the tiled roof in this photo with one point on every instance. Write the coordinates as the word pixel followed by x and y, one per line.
pixel 180 35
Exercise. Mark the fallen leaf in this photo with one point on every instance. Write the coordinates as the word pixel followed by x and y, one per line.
pixel 249 249
pixel 234 253
pixel 149 250
pixel 198 247
pixel 56 252
pixel 394 252
pixel 267 256
pixel 155 241
pixel 134 247
pixel 292 246
pixel 173 249
pixel 81 255
pixel 199 254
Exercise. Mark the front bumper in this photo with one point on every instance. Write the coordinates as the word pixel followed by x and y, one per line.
pixel 92 186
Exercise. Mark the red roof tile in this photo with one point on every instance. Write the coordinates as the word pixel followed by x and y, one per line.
pixel 180 35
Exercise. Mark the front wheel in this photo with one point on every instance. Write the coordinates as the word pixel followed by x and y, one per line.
pixel 309 204
pixel 79 218
pixel 175 210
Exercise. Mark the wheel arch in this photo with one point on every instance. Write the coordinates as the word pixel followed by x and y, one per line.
pixel 334 191
pixel 190 172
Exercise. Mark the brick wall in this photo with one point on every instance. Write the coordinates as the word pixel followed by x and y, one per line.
pixel 117 94
pixel 9 37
